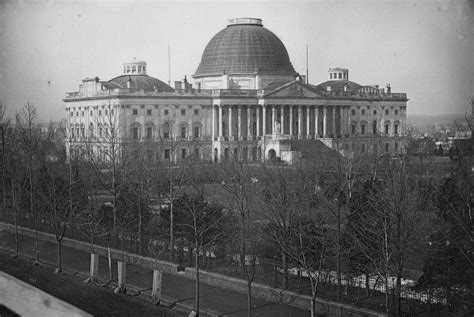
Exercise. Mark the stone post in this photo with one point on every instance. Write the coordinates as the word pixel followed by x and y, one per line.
pixel 94 273
pixel 156 287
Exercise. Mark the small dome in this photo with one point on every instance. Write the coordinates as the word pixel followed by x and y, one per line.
pixel 145 82
pixel 245 47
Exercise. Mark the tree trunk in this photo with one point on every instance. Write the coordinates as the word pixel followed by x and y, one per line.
pixel 171 231
pixel 15 221
pixel 249 298
pixel 398 293
pixel 197 282
pixel 60 264
pixel 285 270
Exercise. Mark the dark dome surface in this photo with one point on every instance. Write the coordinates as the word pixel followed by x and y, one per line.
pixel 243 48
pixel 145 82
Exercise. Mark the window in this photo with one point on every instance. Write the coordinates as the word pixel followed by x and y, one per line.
pixel 375 112
pixel 396 146
pixel 353 129
pixel 340 75
pixel 112 111
pixel 183 132
pixel 183 112
pixel 330 75
pixel 149 133
pixel 196 132
pixel 387 147
pixel 134 112
pixel 167 154
pixel 112 131
pixel 72 114
pixel 166 130
pixel 362 129
pixel 387 112
pixel 363 148
pixel 362 112
pixel 135 133
pixel 196 112
pixel 82 113
pixel 100 131
pixel 100 112
pixel 387 128
pixel 83 132
pixel 148 112
pixel 166 112
pixel 149 155
pixel 106 112
pixel 183 153
pixel 374 127
pixel 396 112
pixel 77 113
pixel 91 113
pixel 396 129
pixel 196 152
pixel 353 112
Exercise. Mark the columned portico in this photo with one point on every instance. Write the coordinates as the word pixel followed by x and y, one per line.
pixel 249 128
pixel 290 108
pixel 308 122
pixel 333 128
pixel 325 121
pixel 239 121
pixel 316 122
pixel 300 120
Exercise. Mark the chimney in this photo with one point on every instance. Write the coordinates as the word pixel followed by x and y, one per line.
pixel 389 89
pixel 177 85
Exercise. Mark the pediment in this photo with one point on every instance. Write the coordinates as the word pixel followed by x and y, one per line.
pixel 293 90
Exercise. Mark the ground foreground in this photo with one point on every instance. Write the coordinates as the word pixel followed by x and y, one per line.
pixel 94 299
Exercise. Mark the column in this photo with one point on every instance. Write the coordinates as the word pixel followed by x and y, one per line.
pixel 308 122
pixel 213 122
pixel 341 120
pixel 316 122
pixel 257 109
pixel 249 128
pixel 325 121
pixel 282 119
pixel 230 122
pixel 290 108
pixel 239 121
pixel 273 119
pixel 264 120
pixel 300 121
pixel 220 121
pixel 333 121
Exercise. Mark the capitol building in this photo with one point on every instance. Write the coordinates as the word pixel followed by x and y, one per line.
pixel 246 100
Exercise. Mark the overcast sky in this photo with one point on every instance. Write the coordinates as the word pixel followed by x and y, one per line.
pixel 424 48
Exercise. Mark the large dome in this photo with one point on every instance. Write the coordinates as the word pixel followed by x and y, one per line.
pixel 245 47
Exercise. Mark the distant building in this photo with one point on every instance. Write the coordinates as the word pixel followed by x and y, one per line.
pixel 247 101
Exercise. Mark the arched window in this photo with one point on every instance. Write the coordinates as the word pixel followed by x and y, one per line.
pixel 374 127
pixel 135 131
pixel 149 131
pixel 166 130
pixel 387 127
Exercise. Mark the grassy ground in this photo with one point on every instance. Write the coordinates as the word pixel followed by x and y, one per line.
pixel 94 299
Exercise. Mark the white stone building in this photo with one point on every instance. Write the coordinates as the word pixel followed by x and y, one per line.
pixel 246 101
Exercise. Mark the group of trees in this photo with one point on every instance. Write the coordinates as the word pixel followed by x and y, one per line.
pixel 355 217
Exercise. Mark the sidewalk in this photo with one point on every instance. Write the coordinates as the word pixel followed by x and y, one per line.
pixel 179 288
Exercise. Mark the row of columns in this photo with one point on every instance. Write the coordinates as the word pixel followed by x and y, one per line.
pixel 325 128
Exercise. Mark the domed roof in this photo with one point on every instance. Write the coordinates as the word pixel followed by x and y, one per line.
pixel 244 47
pixel 145 82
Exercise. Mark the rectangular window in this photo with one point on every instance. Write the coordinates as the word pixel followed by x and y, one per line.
pixel 83 132
pixel 105 111
pixel 100 131
pixel 72 114
pixel 386 129
pixel 196 112
pixel 135 133
pixel 135 112
pixel 167 154
pixel 362 129
pixel 91 113
pixel 82 113
pixel 149 132
pixel 362 148
pixel 340 75
pixel 396 129
pixel 183 153
pixel 166 112
pixel 353 112
pixel 148 112
pixel 196 152
pixel 387 112
pixel 353 129
pixel 183 112
pixel 77 114
pixel 396 112
pixel 100 112
pixel 363 112
pixel 387 147
pixel 396 146
pixel 196 132
pixel 183 132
